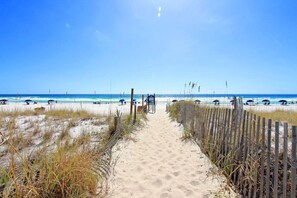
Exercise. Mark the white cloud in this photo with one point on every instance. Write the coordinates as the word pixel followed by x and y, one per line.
pixel 67 25
pixel 160 8
pixel 159 14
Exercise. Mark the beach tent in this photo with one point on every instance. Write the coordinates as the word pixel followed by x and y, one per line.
pixel 216 102
pixel 283 102
pixel 174 101
pixel 266 102
pixel 197 101
pixel 28 101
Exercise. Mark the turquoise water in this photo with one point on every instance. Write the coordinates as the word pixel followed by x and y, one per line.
pixel 90 98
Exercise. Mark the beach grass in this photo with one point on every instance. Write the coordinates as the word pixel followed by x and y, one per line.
pixel 73 169
pixel 278 115
pixel 62 166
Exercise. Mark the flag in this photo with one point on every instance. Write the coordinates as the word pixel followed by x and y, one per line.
pixel 226 83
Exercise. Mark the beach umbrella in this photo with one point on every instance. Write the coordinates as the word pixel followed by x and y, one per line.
pixel 3 101
pixel 197 101
pixel 283 102
pixel 50 101
pixel 232 102
pixel 216 102
pixel 28 101
pixel 174 100
pixel 266 102
pixel 122 101
pixel 249 102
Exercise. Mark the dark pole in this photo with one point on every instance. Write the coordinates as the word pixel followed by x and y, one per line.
pixel 134 119
pixel 131 104
pixel 142 101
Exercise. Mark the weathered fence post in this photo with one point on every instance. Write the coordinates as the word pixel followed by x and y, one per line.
pixel 142 103
pixel 131 104
pixel 285 160
pixel 275 174
pixel 268 158
pixel 294 162
pixel 134 119
pixel 262 158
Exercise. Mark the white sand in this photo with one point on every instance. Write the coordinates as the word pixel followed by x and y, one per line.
pixel 159 164
pixel 103 109
pixel 106 109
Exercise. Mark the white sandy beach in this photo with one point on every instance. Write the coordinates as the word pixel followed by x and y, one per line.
pixel 107 109
pixel 103 109
pixel 160 164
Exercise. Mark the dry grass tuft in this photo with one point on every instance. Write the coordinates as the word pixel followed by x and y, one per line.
pixel 279 115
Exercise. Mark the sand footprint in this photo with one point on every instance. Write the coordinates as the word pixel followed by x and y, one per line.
pixel 167 177
pixel 187 191
pixel 195 183
pixel 165 195
pixel 157 183
pixel 138 169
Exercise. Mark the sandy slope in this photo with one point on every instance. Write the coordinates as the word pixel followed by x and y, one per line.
pixel 159 164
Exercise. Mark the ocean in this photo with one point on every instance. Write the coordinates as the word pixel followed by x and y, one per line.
pixel 160 98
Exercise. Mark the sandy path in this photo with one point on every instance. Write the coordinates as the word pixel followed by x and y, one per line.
pixel 159 164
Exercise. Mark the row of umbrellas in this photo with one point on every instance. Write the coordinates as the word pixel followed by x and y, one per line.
pixel 248 102
pixel 28 101
pixel 122 101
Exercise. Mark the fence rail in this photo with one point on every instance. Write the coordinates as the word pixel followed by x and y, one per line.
pixel 257 155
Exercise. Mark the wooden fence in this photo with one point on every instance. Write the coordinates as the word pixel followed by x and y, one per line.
pixel 257 155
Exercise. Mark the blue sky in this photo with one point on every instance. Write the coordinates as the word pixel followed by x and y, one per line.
pixel 157 46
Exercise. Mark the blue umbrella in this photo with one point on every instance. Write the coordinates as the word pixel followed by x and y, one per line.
pixel 28 101
pixel 283 102
pixel 3 101
pixel 50 101
pixel 197 101
pixel 122 101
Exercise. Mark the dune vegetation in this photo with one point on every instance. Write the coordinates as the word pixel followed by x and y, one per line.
pixel 57 153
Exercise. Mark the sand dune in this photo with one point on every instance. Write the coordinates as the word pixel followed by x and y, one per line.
pixel 159 164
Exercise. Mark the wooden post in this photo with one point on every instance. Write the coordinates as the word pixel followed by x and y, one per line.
pixel 275 174
pixel 154 103
pixel 294 162
pixel 142 104
pixel 257 146
pixel 134 119
pixel 285 160
pixel 267 183
pixel 262 158
pixel 131 104
pixel 147 104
